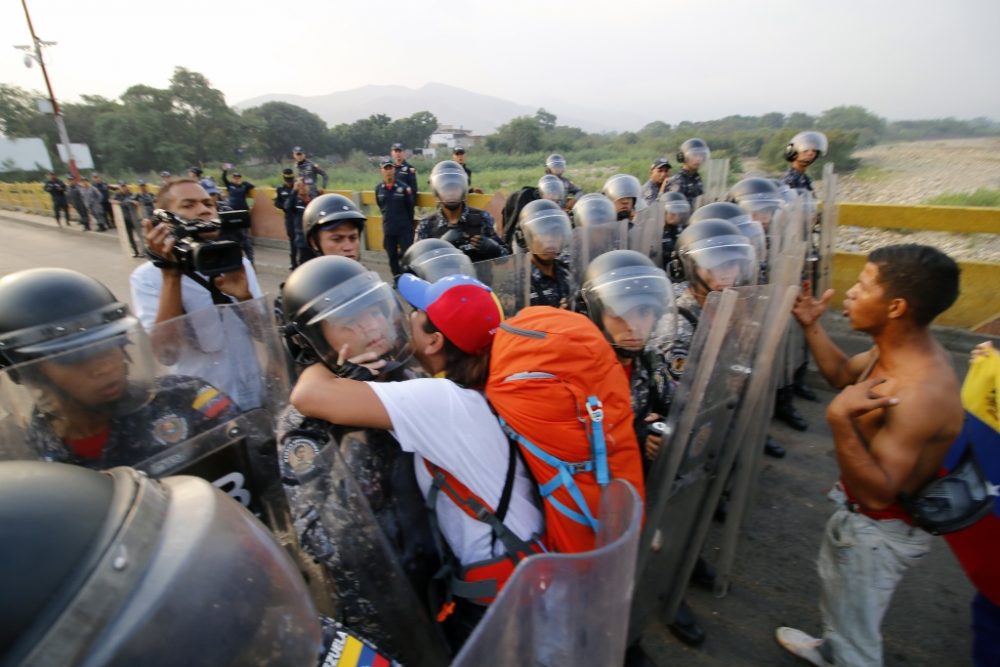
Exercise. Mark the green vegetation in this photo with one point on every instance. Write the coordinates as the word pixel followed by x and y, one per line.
pixel 871 173
pixel 148 129
pixel 982 197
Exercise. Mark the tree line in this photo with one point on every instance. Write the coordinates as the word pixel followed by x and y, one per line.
pixel 148 129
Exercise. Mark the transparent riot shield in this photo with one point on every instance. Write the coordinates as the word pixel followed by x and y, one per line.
pixel 716 180
pixel 510 279
pixel 826 234
pixel 645 234
pixel 566 609
pixel 593 241
pixel 688 476
pixel 123 397
pixel 337 526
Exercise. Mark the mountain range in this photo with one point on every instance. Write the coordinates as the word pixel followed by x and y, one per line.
pixel 481 114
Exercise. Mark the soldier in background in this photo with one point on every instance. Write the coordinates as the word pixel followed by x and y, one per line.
pixel 804 149
pixel 79 202
pixel 126 203
pixel 57 190
pixel 309 172
pixel 405 173
pixel 659 176
pixel 555 164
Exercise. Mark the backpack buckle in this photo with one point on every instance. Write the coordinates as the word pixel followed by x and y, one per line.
pixel 595 409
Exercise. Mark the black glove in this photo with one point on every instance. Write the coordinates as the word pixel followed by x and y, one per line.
pixel 352 371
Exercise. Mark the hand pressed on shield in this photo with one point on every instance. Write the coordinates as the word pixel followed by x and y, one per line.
pixel 859 399
pixel 807 310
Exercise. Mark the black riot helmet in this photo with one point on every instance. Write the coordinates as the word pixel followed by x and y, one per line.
pixel 433 259
pixel 694 152
pixel 114 568
pixel 333 301
pixel 545 227
pixel 328 211
pixel 804 141
pixel 676 208
pixel 626 284
pixel 594 209
pixel 725 210
pixel 555 164
pixel 714 255
pixel 450 183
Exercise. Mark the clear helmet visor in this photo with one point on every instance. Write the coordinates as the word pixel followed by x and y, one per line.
pixel 814 141
pixel 697 156
pixel 441 262
pixel 364 315
pixel 104 371
pixel 637 296
pixel 547 234
pixel 450 187
pixel 552 188
pixel 721 262
pixel 675 213
pixel 755 232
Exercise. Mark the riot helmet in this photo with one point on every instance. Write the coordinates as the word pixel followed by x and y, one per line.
pixel 750 228
pixel 594 209
pixel 715 255
pixel 806 141
pixel 328 211
pixel 552 188
pixel 555 164
pixel 450 183
pixel 67 336
pixel 115 568
pixel 331 302
pixel 545 227
pixel 433 259
pixel 694 153
pixel 676 209
pixel 625 294
pixel 758 197
pixel 619 189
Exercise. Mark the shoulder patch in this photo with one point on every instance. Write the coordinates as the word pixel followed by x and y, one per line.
pixel 210 401
pixel 170 429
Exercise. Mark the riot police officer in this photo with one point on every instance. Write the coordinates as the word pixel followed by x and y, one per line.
pixel 282 194
pixel 659 176
pixel 333 225
pixel 676 212
pixel 546 231
pixel 84 372
pixel 433 259
pixel 626 193
pixel 804 149
pixel 471 230
pixel 57 190
pixel 555 164
pixel 352 322
pixel 692 155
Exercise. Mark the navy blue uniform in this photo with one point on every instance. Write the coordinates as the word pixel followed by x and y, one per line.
pixel 797 180
pixel 688 183
pixel 472 222
pixel 57 190
pixel 238 193
pixel 102 187
pixel 407 174
pixel 281 195
pixel 397 203
pixel 309 172
pixel 80 204
pixel 551 291
pixel 126 202
pixel 148 202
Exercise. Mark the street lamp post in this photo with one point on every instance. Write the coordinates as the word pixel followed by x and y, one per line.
pixel 34 52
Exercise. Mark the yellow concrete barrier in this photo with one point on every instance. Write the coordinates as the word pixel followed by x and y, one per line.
pixel 955 219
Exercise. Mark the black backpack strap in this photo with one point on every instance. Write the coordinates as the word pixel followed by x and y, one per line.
pixel 688 315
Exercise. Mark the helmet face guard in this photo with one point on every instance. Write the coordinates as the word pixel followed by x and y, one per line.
pixel 362 313
pixel 450 188
pixel 628 302
pixel 556 164
pixel 594 209
pixel 676 212
pixel 720 262
pixel 552 188
pixel 441 262
pixel 547 233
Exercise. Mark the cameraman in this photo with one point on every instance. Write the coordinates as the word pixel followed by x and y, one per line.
pixel 162 291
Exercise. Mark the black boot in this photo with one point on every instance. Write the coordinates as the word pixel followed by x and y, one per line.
pixel 773 449
pixel 636 656
pixel 784 410
pixel 704 574
pixel 685 626
pixel 799 386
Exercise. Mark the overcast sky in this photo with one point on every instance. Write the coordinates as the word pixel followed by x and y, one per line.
pixel 670 60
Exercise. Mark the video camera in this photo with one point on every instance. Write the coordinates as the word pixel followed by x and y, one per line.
pixel 210 257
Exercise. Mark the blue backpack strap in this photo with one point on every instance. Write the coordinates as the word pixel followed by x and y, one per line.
pixel 562 478
pixel 599 447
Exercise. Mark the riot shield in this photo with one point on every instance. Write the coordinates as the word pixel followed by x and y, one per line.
pixel 566 609
pixel 716 180
pixel 826 235
pixel 337 526
pixel 510 279
pixel 593 241
pixel 645 234
pixel 118 400
pixel 688 476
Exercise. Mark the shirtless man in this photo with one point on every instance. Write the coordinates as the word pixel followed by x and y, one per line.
pixel 898 412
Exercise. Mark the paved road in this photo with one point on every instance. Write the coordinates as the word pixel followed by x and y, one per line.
pixel 775 582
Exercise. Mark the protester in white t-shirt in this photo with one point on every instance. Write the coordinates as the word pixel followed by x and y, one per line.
pixel 444 419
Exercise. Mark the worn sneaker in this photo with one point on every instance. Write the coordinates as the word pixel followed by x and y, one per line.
pixel 802 645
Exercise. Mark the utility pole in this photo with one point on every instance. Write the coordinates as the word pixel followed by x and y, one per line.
pixel 34 52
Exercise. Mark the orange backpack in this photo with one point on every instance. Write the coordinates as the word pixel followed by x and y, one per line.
pixel 563 396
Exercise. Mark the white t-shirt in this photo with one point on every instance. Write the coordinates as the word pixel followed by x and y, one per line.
pixel 454 428
pixel 221 349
